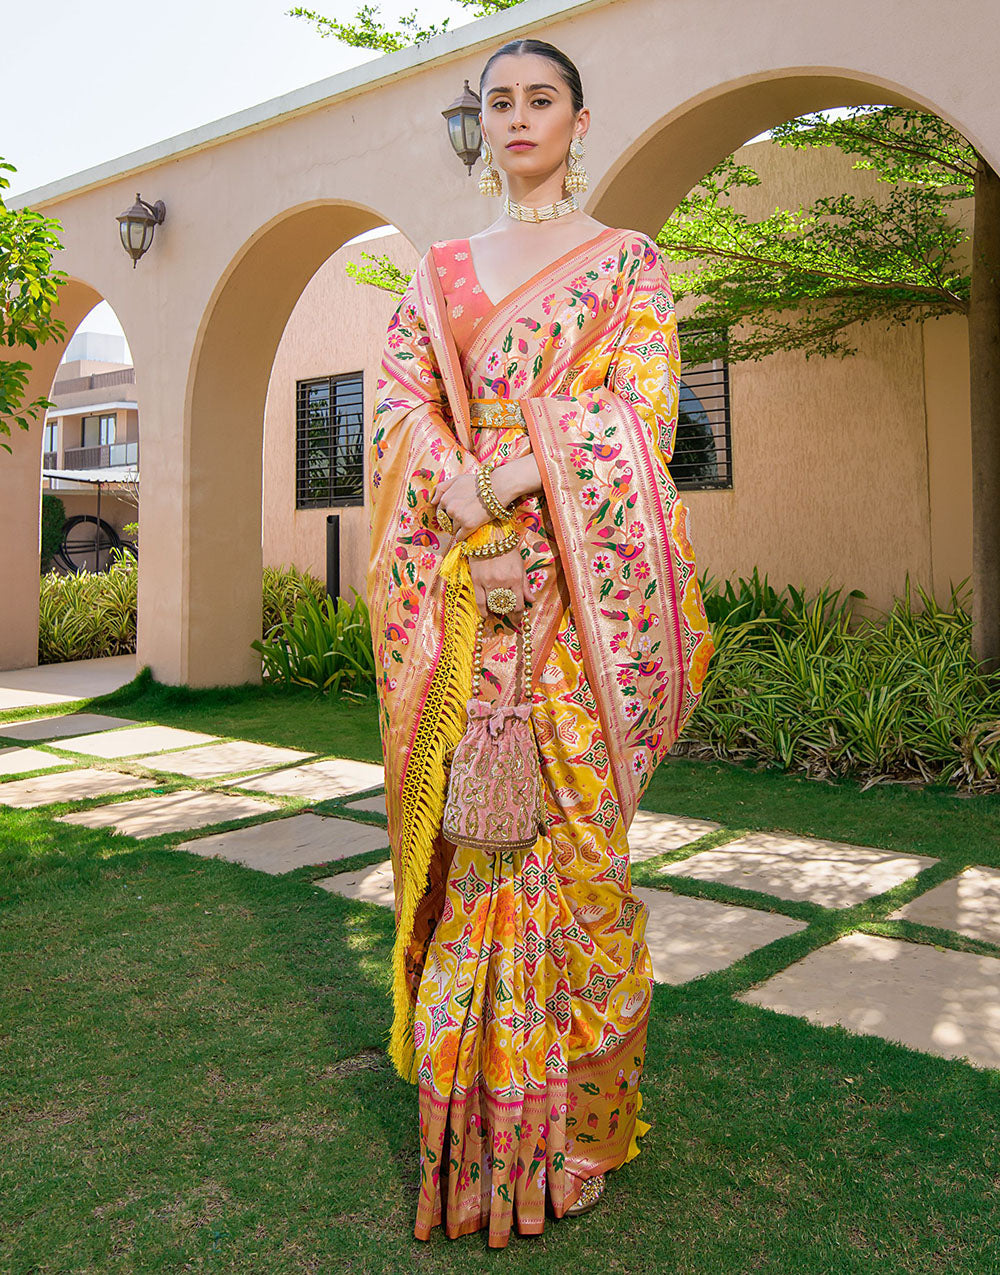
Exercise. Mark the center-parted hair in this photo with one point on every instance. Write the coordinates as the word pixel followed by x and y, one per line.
pixel 562 63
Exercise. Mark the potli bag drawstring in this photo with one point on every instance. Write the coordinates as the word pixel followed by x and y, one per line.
pixel 494 799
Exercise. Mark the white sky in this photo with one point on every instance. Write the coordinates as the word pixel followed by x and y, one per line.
pixel 88 80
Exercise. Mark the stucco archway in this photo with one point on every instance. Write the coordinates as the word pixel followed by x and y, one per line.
pixel 643 184
pixel 209 507
pixel 20 483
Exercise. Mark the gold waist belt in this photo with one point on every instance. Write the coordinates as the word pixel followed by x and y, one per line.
pixel 496 413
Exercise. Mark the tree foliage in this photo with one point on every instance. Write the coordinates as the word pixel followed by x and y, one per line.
pixel 379 272
pixel 798 279
pixel 28 287
pixel 368 31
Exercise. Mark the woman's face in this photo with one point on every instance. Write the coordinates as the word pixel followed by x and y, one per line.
pixel 525 99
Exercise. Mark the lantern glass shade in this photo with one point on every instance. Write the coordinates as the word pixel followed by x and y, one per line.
pixel 465 133
pixel 136 235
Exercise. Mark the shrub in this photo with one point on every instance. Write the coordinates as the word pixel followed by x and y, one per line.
pixel 90 614
pixel 326 645
pixel 895 697
pixel 283 587
pixel 53 521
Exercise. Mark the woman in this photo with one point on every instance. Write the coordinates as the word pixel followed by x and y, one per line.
pixel 548 345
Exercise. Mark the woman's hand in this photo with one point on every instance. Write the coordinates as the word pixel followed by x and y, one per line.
pixel 506 571
pixel 459 499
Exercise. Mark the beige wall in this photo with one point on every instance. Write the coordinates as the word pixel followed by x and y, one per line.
pixel 337 326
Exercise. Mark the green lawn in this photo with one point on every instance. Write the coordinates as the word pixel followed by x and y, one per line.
pixel 193 1075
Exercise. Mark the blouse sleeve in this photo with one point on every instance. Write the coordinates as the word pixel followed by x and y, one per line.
pixel 645 371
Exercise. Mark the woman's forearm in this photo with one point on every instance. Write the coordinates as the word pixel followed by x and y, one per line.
pixel 516 478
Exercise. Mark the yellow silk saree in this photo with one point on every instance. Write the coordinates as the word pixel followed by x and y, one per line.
pixel 522 981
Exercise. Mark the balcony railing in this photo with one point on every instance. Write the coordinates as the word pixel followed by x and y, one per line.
pixel 50 460
pixel 102 456
pixel 95 381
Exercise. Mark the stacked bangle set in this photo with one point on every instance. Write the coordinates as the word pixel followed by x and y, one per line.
pixel 484 486
pixel 501 514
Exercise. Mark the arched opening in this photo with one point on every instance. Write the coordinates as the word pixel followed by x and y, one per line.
pixel 90 446
pixel 20 485
pixel 201 634
pixel 842 471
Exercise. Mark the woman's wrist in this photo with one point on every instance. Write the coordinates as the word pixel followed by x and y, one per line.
pixel 515 478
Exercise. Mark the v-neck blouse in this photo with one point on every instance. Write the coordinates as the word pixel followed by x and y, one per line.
pixel 467 305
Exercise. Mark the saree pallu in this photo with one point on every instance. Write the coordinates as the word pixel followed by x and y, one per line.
pixel 522 981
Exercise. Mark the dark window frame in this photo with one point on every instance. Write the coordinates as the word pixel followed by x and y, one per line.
pixel 330 441
pixel 703 454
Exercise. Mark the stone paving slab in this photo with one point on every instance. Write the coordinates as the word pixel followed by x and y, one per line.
pixel 134 740
pixel 18 761
pixel 170 812
pixel 369 885
pixel 62 683
pixel 940 1001
pixel 67 785
pixel 319 781
pixel 370 805
pixel 832 873
pixel 208 761
pixel 285 844
pixel 689 937
pixel 652 833
pixel 968 904
pixel 67 724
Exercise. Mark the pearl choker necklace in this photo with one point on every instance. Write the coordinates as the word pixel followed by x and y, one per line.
pixel 524 212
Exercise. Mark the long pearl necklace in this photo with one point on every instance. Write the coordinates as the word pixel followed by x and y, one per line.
pixel 524 212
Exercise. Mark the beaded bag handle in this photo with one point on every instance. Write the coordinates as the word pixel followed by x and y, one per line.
pixel 477 657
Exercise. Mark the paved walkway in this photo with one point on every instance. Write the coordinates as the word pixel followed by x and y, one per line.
pixel 63 683
pixel 928 997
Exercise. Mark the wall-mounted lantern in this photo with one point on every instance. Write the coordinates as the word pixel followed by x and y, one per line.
pixel 464 131
pixel 136 226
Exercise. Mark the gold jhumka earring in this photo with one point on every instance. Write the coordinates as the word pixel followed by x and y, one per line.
pixel 489 178
pixel 575 180
pixel 576 175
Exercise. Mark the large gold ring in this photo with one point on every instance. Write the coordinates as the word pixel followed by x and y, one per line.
pixel 444 521
pixel 501 601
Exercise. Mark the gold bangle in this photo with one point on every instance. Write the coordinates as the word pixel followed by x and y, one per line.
pixel 487 495
pixel 494 548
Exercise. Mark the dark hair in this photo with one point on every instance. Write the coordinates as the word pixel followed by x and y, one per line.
pixel 565 67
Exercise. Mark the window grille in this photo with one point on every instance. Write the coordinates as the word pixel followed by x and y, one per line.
pixel 329 442
pixel 702 459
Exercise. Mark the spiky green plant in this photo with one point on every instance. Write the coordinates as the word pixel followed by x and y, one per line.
pixel 325 645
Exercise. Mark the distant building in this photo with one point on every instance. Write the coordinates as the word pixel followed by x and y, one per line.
pixel 93 431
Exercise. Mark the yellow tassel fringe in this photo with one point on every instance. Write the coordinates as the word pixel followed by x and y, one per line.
pixel 442 725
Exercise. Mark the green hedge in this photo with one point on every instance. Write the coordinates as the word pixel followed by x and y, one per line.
pixel 805 683
pixel 53 520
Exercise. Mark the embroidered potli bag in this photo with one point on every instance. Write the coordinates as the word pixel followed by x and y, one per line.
pixel 494 799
